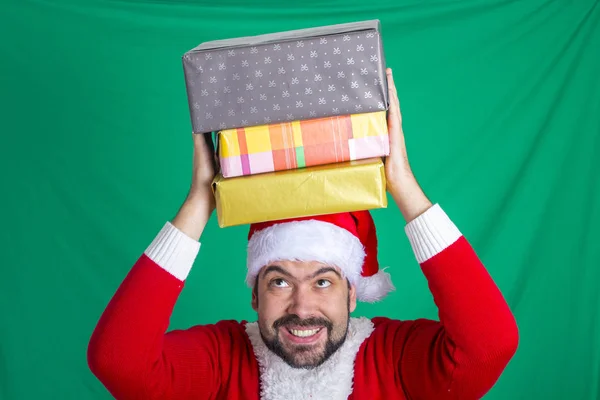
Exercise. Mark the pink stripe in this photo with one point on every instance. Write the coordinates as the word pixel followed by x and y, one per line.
pixel 245 164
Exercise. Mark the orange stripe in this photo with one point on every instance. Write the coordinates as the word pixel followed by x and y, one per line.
pixel 290 153
pixel 241 134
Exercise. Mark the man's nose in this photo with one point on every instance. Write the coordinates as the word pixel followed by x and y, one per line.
pixel 303 303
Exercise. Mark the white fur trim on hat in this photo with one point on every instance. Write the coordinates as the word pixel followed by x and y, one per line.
pixel 375 287
pixel 307 240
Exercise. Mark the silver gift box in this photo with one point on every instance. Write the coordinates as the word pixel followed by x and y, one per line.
pixel 286 76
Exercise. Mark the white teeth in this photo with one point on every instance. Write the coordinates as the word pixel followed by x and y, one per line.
pixel 304 333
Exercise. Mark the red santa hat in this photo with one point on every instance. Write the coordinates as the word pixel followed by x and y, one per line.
pixel 344 240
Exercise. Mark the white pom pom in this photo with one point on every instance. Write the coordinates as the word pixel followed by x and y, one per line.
pixel 374 288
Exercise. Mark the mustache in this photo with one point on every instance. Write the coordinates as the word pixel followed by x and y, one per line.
pixel 296 320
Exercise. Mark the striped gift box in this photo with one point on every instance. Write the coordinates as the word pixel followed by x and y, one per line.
pixel 300 144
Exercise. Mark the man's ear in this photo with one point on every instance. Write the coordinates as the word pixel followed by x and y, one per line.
pixel 351 297
pixel 255 296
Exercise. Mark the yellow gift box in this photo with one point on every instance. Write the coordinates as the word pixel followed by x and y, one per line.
pixel 341 187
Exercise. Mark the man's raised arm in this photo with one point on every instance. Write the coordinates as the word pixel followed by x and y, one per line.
pixel 130 351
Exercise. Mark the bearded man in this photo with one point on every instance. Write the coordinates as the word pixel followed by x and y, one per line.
pixel 307 275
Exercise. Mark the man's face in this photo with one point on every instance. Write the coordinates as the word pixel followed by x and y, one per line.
pixel 303 310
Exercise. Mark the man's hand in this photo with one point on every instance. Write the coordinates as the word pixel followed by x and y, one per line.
pixel 200 202
pixel 401 182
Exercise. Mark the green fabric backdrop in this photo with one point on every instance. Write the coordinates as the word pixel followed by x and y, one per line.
pixel 501 106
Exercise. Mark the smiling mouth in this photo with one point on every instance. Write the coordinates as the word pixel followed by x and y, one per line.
pixel 304 333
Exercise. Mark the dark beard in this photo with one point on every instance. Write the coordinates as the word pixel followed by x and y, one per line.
pixel 331 346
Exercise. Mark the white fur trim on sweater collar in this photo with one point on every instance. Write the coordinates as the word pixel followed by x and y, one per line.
pixel 308 240
pixel 333 380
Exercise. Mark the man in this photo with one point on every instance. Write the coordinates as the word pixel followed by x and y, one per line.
pixel 307 275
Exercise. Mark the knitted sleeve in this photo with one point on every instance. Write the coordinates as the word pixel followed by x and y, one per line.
pixel 462 355
pixel 129 351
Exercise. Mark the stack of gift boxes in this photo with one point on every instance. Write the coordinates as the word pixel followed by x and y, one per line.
pixel 299 119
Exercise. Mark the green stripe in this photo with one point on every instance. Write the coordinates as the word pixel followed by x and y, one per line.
pixel 300 157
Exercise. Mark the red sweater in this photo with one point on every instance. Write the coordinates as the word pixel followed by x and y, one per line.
pixel 459 357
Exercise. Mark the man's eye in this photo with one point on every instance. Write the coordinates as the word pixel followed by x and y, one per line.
pixel 278 283
pixel 323 283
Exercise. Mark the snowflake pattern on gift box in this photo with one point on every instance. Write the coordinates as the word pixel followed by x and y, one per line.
pixel 291 80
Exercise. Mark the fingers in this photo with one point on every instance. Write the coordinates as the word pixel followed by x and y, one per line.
pixel 203 143
pixel 204 153
pixel 199 140
pixel 393 94
pixel 390 78
pixel 396 136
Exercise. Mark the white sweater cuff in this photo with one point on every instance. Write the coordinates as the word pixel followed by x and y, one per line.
pixel 173 251
pixel 431 233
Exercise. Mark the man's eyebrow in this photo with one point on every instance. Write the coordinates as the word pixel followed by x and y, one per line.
pixel 323 271
pixel 275 268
